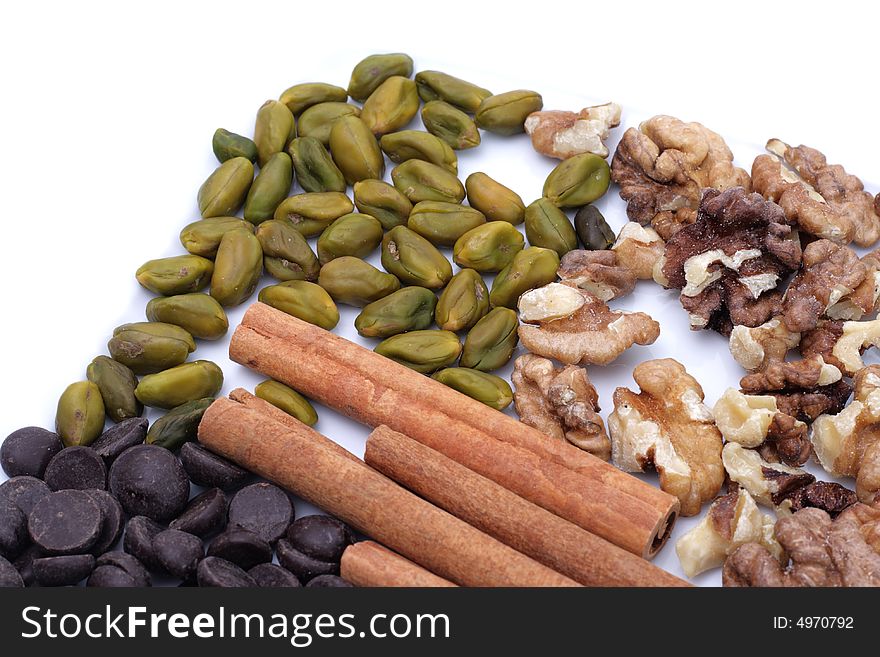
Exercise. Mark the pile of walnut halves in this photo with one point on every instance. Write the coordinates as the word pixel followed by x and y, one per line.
pixel 763 259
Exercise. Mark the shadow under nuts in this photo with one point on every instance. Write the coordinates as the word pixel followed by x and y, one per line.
pixel 414 260
pixel 306 301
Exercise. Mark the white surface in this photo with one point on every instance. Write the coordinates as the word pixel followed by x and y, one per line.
pixel 108 114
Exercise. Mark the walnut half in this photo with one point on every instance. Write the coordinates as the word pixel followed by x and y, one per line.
pixel 731 521
pixel 756 347
pixel 560 402
pixel 638 248
pixel 755 421
pixel 848 444
pixel 768 483
pixel 577 328
pixel 663 166
pixel 822 198
pixel 729 262
pixel 597 272
pixel 560 134
pixel 667 427
pixel 822 551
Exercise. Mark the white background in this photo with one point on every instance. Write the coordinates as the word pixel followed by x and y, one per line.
pixel 108 111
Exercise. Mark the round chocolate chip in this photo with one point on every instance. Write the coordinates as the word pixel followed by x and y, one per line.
pixel 138 541
pixel 204 515
pixel 63 571
pixel 66 522
pixel 270 575
pixel 149 481
pixel 24 491
pixel 328 582
pixel 263 509
pixel 217 572
pixel 321 537
pixel 77 468
pixel 28 451
pixel 25 563
pixel 9 576
pixel 13 529
pixel 127 563
pixel 178 552
pixel 207 469
pixel 119 438
pixel 242 547
pixel 109 577
pixel 114 522
pixel 302 565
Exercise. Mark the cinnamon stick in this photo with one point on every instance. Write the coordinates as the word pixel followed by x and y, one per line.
pixel 300 459
pixel 524 526
pixel 375 390
pixel 366 563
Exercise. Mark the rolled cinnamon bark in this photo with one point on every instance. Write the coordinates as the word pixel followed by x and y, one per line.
pixel 524 526
pixel 300 459
pixel 366 563
pixel 374 390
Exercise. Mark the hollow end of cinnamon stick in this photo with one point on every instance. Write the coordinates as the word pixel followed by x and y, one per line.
pixel 513 520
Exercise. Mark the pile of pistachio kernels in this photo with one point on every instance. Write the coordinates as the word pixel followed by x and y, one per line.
pixel 313 136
